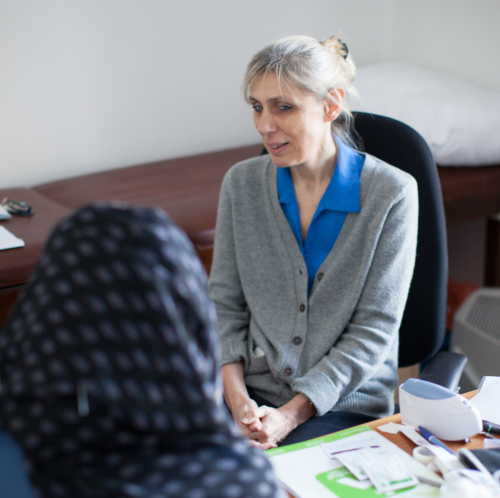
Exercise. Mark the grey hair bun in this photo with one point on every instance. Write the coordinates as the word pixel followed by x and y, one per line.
pixel 340 52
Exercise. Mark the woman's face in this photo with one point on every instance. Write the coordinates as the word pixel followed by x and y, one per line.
pixel 294 125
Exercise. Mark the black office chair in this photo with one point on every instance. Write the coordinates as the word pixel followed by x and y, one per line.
pixel 424 321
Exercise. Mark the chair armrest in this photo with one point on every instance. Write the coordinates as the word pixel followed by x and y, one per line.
pixel 444 369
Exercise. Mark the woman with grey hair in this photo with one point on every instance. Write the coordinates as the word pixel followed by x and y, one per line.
pixel 314 254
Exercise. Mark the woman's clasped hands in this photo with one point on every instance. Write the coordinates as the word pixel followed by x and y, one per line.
pixel 265 426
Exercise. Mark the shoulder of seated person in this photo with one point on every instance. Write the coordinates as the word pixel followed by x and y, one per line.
pixel 250 168
pixel 387 177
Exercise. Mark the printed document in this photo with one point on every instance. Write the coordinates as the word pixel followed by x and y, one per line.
pixel 487 400
pixel 8 240
pixel 308 471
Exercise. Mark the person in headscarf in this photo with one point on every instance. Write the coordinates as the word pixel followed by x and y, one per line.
pixel 109 368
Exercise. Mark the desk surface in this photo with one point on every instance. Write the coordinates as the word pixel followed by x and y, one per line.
pixel 405 444
pixel 17 265
pixel 187 187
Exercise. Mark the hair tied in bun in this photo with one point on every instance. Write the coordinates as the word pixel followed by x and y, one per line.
pixel 337 45
pixel 345 50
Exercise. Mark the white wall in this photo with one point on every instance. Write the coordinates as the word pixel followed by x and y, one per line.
pixel 461 38
pixel 458 37
pixel 88 85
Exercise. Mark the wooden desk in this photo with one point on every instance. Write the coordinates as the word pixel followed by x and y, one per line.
pixel 187 188
pixel 405 444
pixel 17 265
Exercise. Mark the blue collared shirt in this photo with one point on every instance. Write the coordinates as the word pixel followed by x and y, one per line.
pixel 341 197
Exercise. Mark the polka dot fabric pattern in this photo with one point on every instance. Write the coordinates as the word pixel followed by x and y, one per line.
pixel 109 368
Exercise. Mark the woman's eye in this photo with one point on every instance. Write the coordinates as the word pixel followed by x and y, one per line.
pixel 284 107
pixel 257 108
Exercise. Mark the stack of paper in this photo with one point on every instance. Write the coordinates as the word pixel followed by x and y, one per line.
pixel 487 400
pixel 307 469
pixel 8 240
pixel 4 214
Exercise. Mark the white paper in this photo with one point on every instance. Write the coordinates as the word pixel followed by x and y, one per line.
pixel 348 444
pixel 387 474
pixel 487 400
pixel 390 428
pixel 491 444
pixel 353 461
pixel 415 436
pixel 298 470
pixel 4 214
pixel 445 461
pixel 353 483
pixel 8 240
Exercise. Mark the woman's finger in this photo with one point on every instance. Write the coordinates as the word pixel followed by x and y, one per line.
pixel 246 432
pixel 253 414
pixel 256 444
pixel 255 426
pixel 249 415
pixel 268 446
pixel 262 411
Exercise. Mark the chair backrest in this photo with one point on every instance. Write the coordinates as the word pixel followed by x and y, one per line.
pixel 424 321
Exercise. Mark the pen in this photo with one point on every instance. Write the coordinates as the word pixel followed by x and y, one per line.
pixel 489 427
pixel 433 439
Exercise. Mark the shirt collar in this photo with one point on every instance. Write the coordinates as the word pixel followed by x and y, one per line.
pixel 286 192
pixel 342 193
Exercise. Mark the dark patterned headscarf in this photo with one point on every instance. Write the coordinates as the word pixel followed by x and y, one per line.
pixel 109 368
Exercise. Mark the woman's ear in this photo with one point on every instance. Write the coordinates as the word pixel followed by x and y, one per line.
pixel 333 105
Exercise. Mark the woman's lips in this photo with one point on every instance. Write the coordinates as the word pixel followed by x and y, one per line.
pixel 277 148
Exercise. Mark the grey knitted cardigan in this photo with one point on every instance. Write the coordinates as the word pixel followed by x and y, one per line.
pixel 339 345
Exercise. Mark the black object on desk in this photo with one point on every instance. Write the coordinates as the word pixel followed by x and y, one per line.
pixel 19 208
pixel 489 427
pixel 482 460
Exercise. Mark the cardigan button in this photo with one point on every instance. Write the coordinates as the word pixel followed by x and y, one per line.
pixel 302 308
pixel 288 371
pixel 297 340
pixel 320 276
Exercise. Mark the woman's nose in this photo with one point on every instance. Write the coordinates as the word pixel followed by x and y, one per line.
pixel 266 123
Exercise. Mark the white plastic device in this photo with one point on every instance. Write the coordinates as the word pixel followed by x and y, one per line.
pixel 446 414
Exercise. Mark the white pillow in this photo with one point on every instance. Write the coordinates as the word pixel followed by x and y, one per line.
pixel 459 121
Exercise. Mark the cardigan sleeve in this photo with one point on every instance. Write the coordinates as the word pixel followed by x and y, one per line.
pixel 233 315
pixel 372 332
